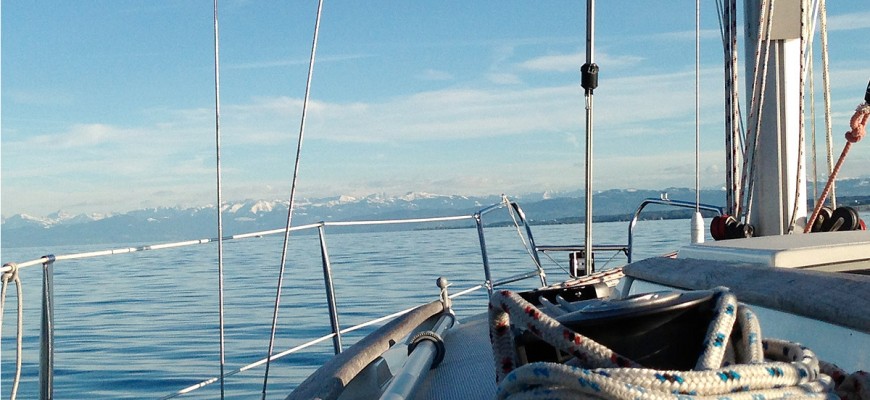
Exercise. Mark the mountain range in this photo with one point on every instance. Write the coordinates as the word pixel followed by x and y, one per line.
pixel 171 224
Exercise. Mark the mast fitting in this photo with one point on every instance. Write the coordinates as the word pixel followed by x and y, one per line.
pixel 589 77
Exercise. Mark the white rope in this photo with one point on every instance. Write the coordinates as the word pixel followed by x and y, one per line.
pixel 826 83
pixel 731 364
pixel 12 274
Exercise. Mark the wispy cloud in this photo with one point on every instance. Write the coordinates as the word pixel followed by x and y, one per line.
pixel 573 61
pixel 684 36
pixel 435 75
pixel 291 62
pixel 78 136
pixel 503 78
pixel 453 113
pixel 851 21
pixel 36 97
pixel 558 63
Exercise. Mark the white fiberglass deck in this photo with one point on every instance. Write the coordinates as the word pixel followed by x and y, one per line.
pixel 832 251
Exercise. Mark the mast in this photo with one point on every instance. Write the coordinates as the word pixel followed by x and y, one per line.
pixel 777 176
pixel 589 81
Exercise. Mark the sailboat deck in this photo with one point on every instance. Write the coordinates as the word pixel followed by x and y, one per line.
pixel 467 369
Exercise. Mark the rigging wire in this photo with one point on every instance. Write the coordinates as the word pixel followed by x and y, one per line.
pixel 697 222
pixel 526 246
pixel 220 226
pixel 813 128
pixel 733 143
pixel 735 135
pixel 697 105
pixel 292 196
pixel 826 82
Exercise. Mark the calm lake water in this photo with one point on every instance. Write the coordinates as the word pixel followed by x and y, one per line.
pixel 145 325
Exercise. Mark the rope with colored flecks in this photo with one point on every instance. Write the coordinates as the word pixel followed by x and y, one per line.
pixel 731 366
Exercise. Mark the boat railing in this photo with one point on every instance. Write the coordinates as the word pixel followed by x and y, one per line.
pixel 664 201
pixel 46 360
pixel 627 249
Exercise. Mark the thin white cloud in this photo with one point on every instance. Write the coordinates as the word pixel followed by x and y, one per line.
pixel 685 36
pixel 851 21
pixel 291 62
pixel 36 97
pixel 503 78
pixel 558 62
pixel 445 114
pixel 78 136
pixel 435 75
pixel 573 61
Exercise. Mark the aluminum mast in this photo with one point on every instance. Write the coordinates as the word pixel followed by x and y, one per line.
pixel 589 81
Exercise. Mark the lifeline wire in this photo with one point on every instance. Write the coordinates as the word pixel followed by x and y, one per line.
pixel 311 343
pixel 220 225
pixel 292 196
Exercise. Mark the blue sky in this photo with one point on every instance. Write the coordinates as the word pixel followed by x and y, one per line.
pixel 107 106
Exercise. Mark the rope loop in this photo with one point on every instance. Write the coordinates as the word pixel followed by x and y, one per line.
pixel 735 364
pixel 11 274
pixel 858 123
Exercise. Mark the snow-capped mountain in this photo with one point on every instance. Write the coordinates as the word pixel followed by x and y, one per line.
pixel 53 219
pixel 170 223
pixel 173 223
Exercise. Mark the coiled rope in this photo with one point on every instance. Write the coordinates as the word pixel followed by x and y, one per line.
pixel 731 367
pixel 12 275
pixel 857 131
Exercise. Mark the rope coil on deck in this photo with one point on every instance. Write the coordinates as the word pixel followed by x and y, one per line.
pixel 735 364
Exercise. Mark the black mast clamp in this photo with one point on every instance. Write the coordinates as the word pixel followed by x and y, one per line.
pixel 589 77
